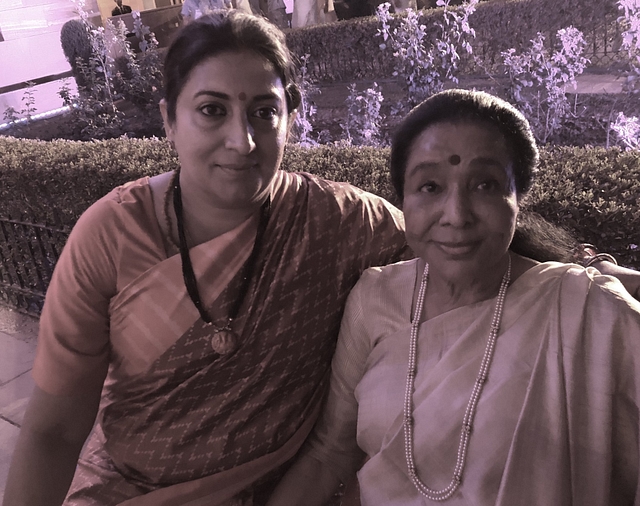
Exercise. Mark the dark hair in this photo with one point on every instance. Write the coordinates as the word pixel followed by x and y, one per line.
pixel 221 31
pixel 541 240
pixel 459 106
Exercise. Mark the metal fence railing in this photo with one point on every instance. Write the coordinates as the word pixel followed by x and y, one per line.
pixel 28 254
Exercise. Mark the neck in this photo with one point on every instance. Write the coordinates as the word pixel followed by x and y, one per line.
pixel 445 294
pixel 204 221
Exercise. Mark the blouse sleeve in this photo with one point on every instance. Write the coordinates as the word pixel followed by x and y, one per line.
pixel 383 237
pixel 73 342
pixel 333 441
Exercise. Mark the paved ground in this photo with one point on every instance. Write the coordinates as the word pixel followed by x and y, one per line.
pixel 17 346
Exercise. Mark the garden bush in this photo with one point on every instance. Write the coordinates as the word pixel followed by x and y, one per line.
pixel 590 191
pixel 75 40
pixel 349 50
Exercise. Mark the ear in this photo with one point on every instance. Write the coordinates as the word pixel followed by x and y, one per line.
pixel 168 124
pixel 291 119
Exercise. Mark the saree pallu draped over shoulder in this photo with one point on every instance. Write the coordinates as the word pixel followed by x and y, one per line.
pixel 557 420
pixel 182 424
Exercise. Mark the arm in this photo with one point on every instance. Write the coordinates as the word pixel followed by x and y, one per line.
pixel 71 364
pixel 628 277
pixel 588 255
pixel 52 435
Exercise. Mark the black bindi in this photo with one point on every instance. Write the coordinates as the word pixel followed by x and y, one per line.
pixel 242 96
pixel 454 159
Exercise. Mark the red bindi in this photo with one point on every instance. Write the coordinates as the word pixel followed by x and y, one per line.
pixel 242 96
pixel 454 159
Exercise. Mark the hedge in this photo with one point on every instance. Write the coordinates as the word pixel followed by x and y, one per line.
pixel 349 50
pixel 590 191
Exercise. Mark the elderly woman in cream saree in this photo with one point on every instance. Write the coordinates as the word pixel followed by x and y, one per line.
pixel 474 374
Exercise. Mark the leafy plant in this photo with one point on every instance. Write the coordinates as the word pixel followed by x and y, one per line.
pixel 29 101
pixel 113 72
pixel 19 120
pixel 65 94
pixel 138 77
pixel 538 78
pixel 147 38
pixel 11 115
pixel 303 128
pixel 427 64
pixel 363 116
pixel 631 42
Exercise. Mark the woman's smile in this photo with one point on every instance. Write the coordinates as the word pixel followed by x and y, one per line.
pixel 458 250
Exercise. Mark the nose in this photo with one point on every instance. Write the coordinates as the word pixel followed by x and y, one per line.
pixel 240 134
pixel 456 208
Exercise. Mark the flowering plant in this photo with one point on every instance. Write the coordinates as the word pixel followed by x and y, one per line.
pixel 628 130
pixel 631 41
pixel 363 120
pixel 539 77
pixel 427 65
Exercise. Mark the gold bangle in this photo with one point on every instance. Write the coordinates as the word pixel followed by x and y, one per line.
pixel 600 257
pixel 583 253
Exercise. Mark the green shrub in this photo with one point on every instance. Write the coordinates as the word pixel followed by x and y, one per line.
pixel 590 191
pixel 76 45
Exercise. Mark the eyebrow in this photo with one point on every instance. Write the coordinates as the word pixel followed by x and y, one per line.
pixel 224 96
pixel 421 166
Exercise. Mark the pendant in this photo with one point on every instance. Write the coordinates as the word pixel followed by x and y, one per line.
pixel 224 341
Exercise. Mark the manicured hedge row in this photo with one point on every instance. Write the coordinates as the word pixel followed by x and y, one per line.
pixel 591 191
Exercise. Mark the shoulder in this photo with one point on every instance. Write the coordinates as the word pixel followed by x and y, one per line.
pixel 388 276
pixel 125 199
pixel 379 304
pixel 340 197
pixel 116 216
pixel 387 285
pixel 339 191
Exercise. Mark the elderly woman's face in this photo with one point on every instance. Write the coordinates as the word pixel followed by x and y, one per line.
pixel 460 200
pixel 230 128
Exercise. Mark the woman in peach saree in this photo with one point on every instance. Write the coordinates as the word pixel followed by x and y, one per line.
pixel 195 313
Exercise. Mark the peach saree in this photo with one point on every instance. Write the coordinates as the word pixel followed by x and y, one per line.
pixel 179 423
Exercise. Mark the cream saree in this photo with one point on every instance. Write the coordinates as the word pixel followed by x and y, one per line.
pixel 557 422
pixel 179 423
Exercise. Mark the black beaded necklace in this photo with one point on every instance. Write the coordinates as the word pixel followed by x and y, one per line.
pixel 224 339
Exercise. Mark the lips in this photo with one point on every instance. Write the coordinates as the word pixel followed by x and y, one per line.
pixel 236 167
pixel 458 249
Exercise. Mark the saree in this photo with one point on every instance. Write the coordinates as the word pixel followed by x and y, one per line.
pixel 178 422
pixel 557 420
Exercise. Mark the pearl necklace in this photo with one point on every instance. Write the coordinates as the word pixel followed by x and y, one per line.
pixel 467 420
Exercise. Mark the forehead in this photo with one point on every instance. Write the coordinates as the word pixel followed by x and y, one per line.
pixel 233 73
pixel 468 140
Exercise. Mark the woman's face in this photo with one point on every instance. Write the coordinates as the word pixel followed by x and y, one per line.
pixel 460 201
pixel 230 128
